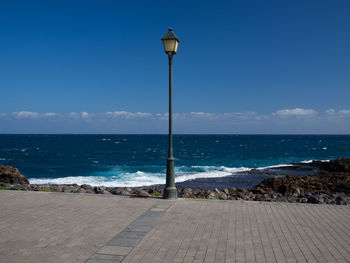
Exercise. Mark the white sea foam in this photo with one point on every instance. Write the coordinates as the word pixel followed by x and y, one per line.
pixel 220 169
pixel 310 161
pixel 274 166
pixel 307 161
pixel 235 169
pixel 139 179
pixel 211 174
pixel 117 177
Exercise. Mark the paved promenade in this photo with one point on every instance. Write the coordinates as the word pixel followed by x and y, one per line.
pixel 59 227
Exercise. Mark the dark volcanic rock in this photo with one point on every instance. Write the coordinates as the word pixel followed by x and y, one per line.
pixel 141 193
pixel 323 182
pixel 211 195
pixel 11 175
pixel 117 190
pixel 341 187
pixel 99 190
pixel 331 185
pixel 186 192
pixel 87 188
pixel 315 199
pixel 340 201
pixel 338 165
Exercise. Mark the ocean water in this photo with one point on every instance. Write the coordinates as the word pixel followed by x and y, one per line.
pixel 139 160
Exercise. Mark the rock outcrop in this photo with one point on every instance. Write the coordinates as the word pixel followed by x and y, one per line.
pixel 338 165
pixel 11 175
pixel 323 182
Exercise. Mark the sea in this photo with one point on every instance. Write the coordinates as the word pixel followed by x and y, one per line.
pixel 140 160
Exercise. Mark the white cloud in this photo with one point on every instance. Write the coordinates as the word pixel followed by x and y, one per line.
pixel 204 115
pixel 85 115
pixel 330 112
pixel 163 116
pixel 248 115
pixel 128 115
pixel 199 115
pixel 74 115
pixel 238 116
pixel 296 112
pixel 25 114
pixel 49 114
pixel 281 121
pixel 32 115
pixel 142 114
pixel 344 112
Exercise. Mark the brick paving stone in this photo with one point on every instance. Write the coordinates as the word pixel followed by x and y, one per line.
pixel 98 228
pixel 61 227
pixel 115 250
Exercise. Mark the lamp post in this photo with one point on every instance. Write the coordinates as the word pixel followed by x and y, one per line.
pixel 170 43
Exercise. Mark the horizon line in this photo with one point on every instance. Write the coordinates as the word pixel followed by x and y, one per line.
pixel 233 134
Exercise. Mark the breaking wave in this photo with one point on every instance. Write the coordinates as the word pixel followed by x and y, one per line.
pixel 310 161
pixel 118 177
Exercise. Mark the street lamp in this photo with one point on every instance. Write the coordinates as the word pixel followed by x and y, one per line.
pixel 170 43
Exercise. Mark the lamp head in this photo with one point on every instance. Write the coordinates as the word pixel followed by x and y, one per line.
pixel 170 42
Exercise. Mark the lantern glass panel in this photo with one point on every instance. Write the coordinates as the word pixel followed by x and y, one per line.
pixel 170 45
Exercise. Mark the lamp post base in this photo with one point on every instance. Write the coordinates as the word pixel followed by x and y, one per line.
pixel 170 193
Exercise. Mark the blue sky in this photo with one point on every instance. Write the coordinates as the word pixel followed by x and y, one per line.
pixel 242 66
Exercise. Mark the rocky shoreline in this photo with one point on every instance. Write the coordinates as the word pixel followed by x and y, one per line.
pixel 315 182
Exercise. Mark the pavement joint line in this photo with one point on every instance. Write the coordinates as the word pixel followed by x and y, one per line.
pixel 121 245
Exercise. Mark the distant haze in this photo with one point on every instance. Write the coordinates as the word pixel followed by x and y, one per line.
pixel 285 121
